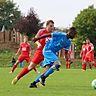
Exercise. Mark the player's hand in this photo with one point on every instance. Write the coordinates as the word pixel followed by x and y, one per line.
pixel 34 39
pixel 16 54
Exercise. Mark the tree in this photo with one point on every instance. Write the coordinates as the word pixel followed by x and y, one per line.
pixel 9 14
pixel 85 23
pixel 29 24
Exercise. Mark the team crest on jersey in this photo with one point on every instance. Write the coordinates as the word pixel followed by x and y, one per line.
pixel 24 49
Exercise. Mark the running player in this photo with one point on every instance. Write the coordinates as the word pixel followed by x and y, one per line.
pixel 38 56
pixel 25 50
pixel 83 54
pixel 59 40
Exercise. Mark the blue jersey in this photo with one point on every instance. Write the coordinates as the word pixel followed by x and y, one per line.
pixel 58 41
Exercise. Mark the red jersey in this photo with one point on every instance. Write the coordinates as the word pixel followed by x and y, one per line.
pixel 89 47
pixel 43 40
pixel 84 50
pixel 25 48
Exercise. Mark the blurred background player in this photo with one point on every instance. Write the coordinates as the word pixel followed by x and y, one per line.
pixel 25 50
pixel 38 55
pixel 59 40
pixel 68 64
pixel 83 54
pixel 89 57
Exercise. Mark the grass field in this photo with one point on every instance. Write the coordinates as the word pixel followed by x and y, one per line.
pixel 73 82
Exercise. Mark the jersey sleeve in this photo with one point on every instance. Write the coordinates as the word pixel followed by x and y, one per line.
pixel 68 46
pixel 39 33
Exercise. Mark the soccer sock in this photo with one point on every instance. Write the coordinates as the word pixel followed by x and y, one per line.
pixel 50 71
pixel 37 79
pixel 84 66
pixel 23 72
pixel 13 68
pixel 90 65
pixel 67 65
pixel 94 65
pixel 35 69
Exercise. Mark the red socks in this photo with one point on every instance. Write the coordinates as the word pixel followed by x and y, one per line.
pixel 23 72
pixel 67 65
pixel 84 66
pixel 94 65
pixel 13 68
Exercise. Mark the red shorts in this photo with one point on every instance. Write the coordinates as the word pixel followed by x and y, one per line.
pixel 24 57
pixel 89 58
pixel 38 57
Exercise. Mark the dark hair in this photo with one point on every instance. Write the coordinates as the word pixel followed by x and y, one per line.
pixel 72 29
pixel 49 21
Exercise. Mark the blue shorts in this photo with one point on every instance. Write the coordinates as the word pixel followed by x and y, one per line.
pixel 49 57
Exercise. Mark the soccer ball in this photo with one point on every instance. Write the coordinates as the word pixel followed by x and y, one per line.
pixel 93 84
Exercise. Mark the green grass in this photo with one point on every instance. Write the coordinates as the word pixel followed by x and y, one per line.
pixel 73 82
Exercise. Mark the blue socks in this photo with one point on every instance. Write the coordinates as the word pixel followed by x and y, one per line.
pixel 50 71
pixel 37 79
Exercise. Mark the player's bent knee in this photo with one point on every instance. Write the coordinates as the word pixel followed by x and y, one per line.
pixel 56 65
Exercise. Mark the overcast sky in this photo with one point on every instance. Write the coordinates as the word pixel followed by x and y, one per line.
pixel 63 12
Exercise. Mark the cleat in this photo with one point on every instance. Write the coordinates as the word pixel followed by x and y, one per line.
pixel 14 81
pixel 42 80
pixel 37 71
pixel 10 72
pixel 33 85
pixel 58 69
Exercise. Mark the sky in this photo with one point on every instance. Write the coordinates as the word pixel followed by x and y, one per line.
pixel 63 12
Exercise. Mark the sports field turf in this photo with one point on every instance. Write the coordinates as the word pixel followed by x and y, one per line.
pixel 73 82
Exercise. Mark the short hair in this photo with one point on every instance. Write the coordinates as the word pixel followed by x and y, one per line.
pixel 72 29
pixel 49 21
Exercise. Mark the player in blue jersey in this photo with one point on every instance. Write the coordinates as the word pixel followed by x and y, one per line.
pixel 59 40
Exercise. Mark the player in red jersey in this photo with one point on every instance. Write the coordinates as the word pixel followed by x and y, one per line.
pixel 89 57
pixel 83 54
pixel 38 56
pixel 25 50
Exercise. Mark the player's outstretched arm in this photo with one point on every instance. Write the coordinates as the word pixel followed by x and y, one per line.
pixel 43 36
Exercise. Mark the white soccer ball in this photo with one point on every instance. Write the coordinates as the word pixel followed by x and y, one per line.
pixel 93 84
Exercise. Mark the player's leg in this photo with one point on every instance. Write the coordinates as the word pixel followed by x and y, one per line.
pixel 28 60
pixel 14 66
pixel 41 78
pixel 35 61
pixel 33 84
pixel 84 66
pixel 84 61
pixel 93 63
pixel 20 59
pixel 68 65
pixel 56 65
pixel 68 62
pixel 52 59
pixel 49 56
pixel 90 65
pixel 23 72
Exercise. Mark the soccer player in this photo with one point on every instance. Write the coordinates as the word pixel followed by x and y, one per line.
pixel 70 62
pixel 83 54
pixel 25 50
pixel 89 57
pixel 38 55
pixel 59 40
